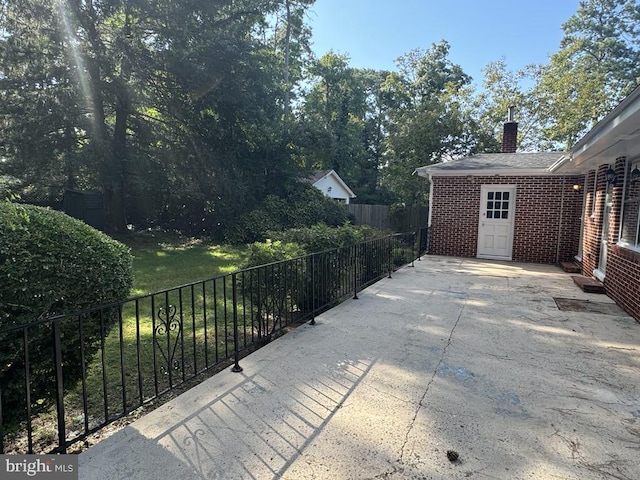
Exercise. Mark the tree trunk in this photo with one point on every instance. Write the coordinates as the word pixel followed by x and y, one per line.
pixel 287 54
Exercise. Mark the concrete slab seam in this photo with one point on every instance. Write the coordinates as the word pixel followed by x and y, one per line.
pixel 433 376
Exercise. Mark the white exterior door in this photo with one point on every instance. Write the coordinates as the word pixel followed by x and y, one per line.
pixel 495 231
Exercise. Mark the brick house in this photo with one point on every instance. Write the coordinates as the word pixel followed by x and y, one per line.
pixel 505 206
pixel 609 158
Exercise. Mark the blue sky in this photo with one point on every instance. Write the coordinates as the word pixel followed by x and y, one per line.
pixel 374 33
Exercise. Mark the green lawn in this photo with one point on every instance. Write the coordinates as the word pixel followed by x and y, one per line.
pixel 159 265
pixel 163 261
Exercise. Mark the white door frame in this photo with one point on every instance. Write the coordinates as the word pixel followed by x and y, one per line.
pixel 487 224
pixel 601 270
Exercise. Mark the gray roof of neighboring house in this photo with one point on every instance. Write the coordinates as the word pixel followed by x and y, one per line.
pixel 529 163
pixel 320 174
pixel 317 175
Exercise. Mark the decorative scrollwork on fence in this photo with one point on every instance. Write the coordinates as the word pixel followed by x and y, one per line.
pixel 167 336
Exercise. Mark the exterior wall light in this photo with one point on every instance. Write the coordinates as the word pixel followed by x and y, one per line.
pixel 577 187
pixel 611 177
pixel 635 175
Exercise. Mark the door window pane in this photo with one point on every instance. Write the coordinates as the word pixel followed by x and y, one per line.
pixel 497 206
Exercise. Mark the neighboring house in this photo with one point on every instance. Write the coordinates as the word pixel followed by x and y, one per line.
pixel 331 185
pixel 504 206
pixel 609 158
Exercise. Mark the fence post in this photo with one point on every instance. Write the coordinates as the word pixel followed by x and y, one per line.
pixel 413 246
pixel 390 252
pixel 1 427
pixel 236 354
pixel 313 292
pixel 355 272
pixel 57 358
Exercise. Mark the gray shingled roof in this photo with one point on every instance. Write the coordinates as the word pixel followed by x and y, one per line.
pixel 496 161
pixel 317 175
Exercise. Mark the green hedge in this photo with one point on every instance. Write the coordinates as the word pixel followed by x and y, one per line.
pixel 52 264
pixel 302 206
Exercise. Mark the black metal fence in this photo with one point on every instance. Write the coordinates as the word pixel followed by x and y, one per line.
pixel 71 375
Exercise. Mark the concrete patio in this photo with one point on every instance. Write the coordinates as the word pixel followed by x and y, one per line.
pixel 455 354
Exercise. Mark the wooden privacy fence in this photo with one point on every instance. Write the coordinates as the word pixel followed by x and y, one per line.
pixel 408 219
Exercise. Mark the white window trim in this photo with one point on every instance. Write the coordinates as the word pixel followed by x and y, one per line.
pixel 629 164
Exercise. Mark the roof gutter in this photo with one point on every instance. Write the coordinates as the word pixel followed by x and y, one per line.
pixel 426 172
pixel 561 161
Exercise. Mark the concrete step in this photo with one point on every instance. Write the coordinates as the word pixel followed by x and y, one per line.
pixel 570 267
pixel 588 285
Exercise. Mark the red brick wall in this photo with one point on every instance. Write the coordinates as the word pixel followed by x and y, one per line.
pixel 593 211
pixel 622 280
pixel 510 137
pixel 546 229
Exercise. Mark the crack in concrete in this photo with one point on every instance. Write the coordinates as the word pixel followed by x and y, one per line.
pixel 433 376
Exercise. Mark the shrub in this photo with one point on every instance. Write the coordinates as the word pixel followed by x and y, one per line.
pixel 270 252
pixel 302 206
pixel 294 282
pixel 320 237
pixel 271 283
pixel 52 264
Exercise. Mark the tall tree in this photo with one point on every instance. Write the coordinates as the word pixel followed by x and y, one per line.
pixel 137 98
pixel 503 88
pixel 291 37
pixel 334 113
pixel 597 65
pixel 39 95
pixel 426 125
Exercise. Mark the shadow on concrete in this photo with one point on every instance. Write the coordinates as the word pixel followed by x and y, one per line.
pixel 454 354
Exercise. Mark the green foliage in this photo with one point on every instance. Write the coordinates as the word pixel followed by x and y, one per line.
pixel 502 89
pixel 341 125
pixel 302 205
pixel 321 237
pixel 263 253
pixel 165 110
pixel 307 283
pixel 272 283
pixel 598 64
pixel 295 242
pixel 425 125
pixel 198 116
pixel 53 264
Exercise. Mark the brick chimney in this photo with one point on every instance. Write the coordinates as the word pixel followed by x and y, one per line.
pixel 510 133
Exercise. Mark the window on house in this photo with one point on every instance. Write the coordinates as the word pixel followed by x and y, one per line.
pixel 630 231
